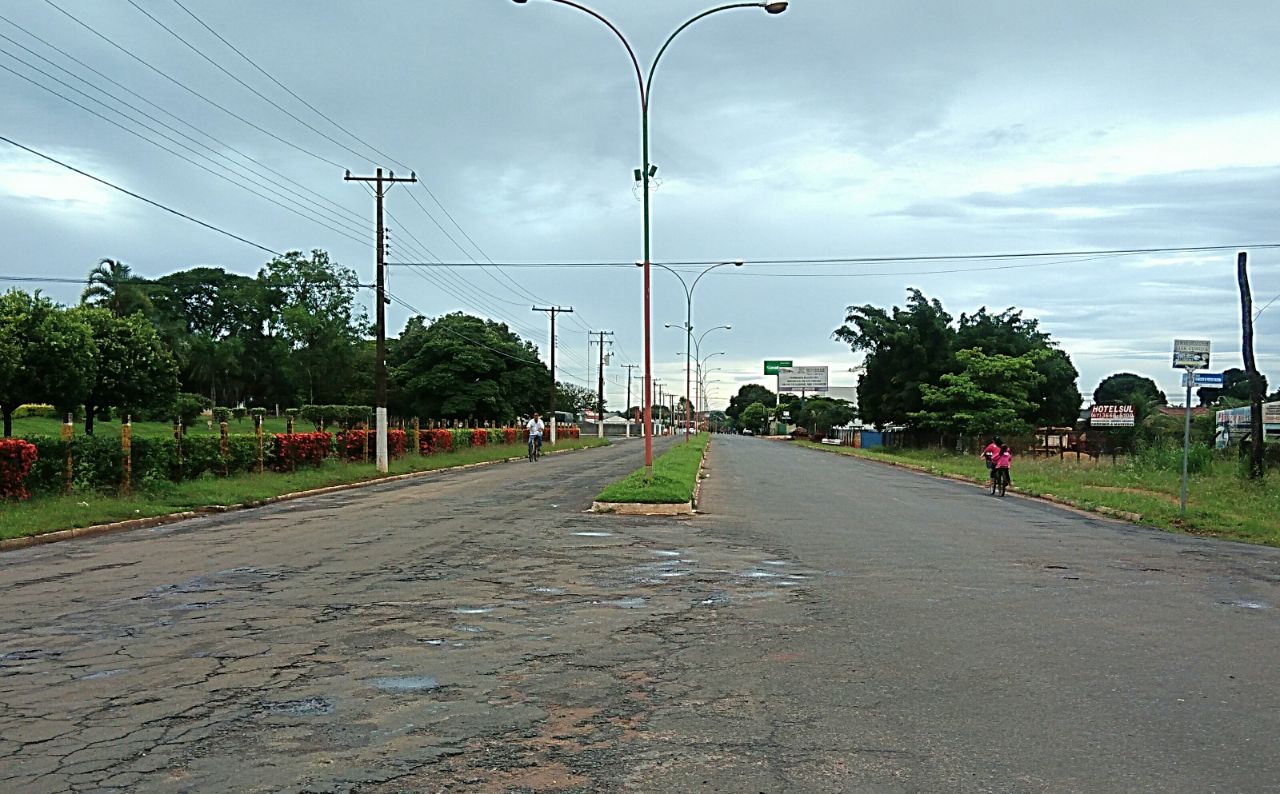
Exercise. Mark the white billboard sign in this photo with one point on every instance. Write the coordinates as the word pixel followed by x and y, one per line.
pixel 802 379
pixel 1111 416
pixel 1191 354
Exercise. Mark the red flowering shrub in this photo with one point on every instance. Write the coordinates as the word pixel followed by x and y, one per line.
pixel 508 435
pixel 431 442
pixel 290 450
pixel 351 444
pixel 479 437
pixel 16 458
pixel 571 431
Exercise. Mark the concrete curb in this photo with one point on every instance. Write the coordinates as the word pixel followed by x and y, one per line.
pixel 26 541
pixel 1110 512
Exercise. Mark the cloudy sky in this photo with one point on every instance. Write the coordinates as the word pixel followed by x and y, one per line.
pixel 837 131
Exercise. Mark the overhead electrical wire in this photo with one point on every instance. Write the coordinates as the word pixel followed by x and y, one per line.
pixel 139 197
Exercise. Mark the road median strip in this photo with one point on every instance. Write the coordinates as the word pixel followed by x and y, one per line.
pixel 673 489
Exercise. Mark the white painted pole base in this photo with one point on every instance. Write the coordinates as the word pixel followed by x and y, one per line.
pixel 553 430
pixel 382 439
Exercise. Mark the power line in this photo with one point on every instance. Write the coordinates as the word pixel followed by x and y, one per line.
pixel 127 192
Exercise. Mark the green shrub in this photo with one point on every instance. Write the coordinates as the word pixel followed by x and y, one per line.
pixel 46 475
pixel 239 412
pixel 188 407
pixel 43 410
pixel 1166 455
pixel 221 415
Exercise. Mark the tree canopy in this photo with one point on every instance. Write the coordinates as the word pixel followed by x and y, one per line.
pixel 911 350
pixel 47 354
pixel 134 368
pixel 749 393
pixel 1235 386
pixel 1121 388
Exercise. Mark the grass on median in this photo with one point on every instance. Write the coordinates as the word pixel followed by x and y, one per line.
pixel 675 473
pixel 52 513
pixel 1220 502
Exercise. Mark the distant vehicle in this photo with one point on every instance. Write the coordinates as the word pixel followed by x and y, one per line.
pixel 746 431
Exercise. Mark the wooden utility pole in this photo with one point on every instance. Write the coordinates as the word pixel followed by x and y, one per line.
pixel 553 311
pixel 1257 463
pixel 381 353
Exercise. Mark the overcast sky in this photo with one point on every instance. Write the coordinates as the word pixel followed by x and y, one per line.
pixel 838 130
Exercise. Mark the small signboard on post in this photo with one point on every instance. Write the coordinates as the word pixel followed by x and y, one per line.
pixel 802 379
pixel 1213 380
pixel 1191 354
pixel 771 366
pixel 1111 416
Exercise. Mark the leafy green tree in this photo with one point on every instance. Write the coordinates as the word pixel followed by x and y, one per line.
pixel 753 417
pixel 1009 333
pixel 905 350
pixel 47 354
pixel 820 414
pixel 1119 389
pixel 747 395
pixel 990 395
pixel 573 398
pixel 312 306
pixel 134 371
pixel 463 367
pixel 1235 386
pixel 113 286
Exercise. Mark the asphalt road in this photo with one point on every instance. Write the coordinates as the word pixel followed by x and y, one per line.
pixel 827 625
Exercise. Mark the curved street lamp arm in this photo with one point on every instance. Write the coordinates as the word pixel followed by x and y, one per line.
pixel 688 291
pixel 635 62
pixel 654 66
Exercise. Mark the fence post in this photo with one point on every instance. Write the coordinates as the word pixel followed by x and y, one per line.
pixel 68 432
pixel 417 440
pixel 288 425
pixel 126 449
pixel 257 429
pixel 365 432
pixel 223 448
pixel 177 440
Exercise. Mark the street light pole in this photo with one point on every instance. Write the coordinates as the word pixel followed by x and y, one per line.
pixel 646 85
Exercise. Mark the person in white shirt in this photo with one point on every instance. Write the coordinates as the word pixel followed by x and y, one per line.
pixel 535 428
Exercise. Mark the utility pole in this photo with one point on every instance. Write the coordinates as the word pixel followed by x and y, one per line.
pixel 629 367
pixel 1257 464
pixel 381 353
pixel 553 311
pixel 600 391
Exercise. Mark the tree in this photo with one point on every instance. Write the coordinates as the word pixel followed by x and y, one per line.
pixel 904 350
pixel 464 367
pixel 747 395
pixel 990 395
pixel 753 417
pixel 47 354
pixel 573 398
pixel 134 369
pixel 820 414
pixel 1235 386
pixel 311 304
pixel 1010 334
pixel 1118 389
pixel 113 286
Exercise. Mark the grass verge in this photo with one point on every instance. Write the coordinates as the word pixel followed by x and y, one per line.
pixel 1220 503
pixel 49 514
pixel 675 474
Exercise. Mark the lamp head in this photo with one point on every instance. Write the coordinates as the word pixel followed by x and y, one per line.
pixel 639 263
pixel 738 262
pixel 522 2
pixel 773 8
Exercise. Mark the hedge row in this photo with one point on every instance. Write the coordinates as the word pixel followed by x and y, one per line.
pixel 37 464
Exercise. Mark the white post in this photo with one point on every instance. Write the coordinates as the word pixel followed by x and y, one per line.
pixel 382 438
pixel 1186 443
pixel 553 430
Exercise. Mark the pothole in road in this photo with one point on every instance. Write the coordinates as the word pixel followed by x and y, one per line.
pixel 408 683
pixel 308 707
pixel 593 534
pixel 548 590
pixel 666 553
pixel 634 602
pixel 756 574
pixel 473 610
pixel 774 562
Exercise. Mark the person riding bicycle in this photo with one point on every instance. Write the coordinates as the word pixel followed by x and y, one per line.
pixel 535 428
pixel 1001 469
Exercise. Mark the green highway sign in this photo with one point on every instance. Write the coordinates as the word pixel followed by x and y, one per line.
pixel 772 367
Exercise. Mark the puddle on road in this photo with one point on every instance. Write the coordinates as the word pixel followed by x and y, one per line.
pixel 590 534
pixel 1245 604
pixel 470 629
pixel 759 575
pixel 666 553
pixel 774 562
pixel 104 674
pixel 472 610
pixel 634 602
pixel 548 590
pixel 716 599
pixel 309 707
pixel 408 683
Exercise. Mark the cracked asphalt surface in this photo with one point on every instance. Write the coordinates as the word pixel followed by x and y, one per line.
pixel 827 625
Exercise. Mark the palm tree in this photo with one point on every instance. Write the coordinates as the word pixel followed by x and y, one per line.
pixel 112 285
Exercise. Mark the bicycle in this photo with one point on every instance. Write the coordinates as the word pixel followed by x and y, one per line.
pixel 535 448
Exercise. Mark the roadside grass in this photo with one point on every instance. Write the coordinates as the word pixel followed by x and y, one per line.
pixel 51 513
pixel 1220 503
pixel 675 473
